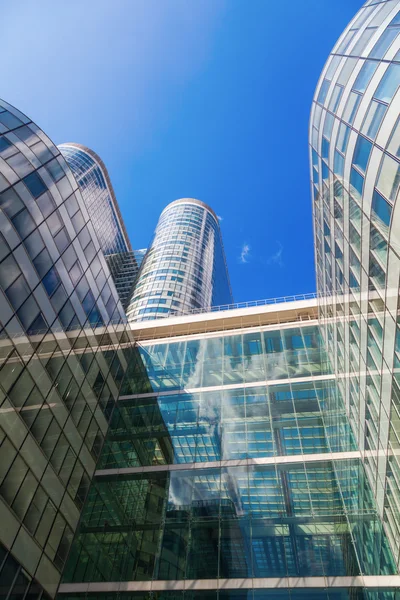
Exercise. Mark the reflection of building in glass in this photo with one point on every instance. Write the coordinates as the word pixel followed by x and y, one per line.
pixel 185 266
pixel 355 141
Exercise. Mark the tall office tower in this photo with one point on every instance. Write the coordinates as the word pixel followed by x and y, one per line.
pixel 101 203
pixel 355 153
pixel 60 358
pixel 230 471
pixel 185 266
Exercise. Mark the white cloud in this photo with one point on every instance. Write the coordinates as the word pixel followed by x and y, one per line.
pixel 276 258
pixel 244 255
pixel 220 218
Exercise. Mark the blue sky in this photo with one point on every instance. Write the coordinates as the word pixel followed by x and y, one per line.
pixel 201 98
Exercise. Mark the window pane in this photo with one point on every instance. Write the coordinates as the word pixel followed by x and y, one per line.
pixel 394 143
pixel 9 271
pixel 382 45
pixel 373 119
pixel 389 84
pixel 365 75
pixel 23 223
pixel 381 212
pixel 361 153
pixel 35 185
pixel 350 110
pixel 389 177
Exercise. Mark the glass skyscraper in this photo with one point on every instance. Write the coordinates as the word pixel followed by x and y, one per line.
pixel 185 266
pixel 61 361
pixel 355 154
pixel 102 206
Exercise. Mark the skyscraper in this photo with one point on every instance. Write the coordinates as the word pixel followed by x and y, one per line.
pixel 61 362
pixel 355 153
pixel 185 266
pixel 102 206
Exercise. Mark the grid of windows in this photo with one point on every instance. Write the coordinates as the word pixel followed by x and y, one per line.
pixel 60 359
pixel 184 489
pixel 98 195
pixel 185 266
pixel 355 172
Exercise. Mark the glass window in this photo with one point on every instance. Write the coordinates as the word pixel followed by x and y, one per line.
pixel 20 164
pixel 43 262
pixel 381 212
pixel 23 223
pixel 389 177
pixel 338 164
pixel 335 60
pixel 373 119
pixel 347 70
pixel 6 148
pixel 328 124
pixel 345 41
pixel 51 281
pixel 26 135
pixel 62 240
pixel 385 40
pixel 9 120
pixel 34 244
pixel 343 138
pixel 350 110
pixel 10 202
pixel 335 98
pixel 28 312
pixel 394 142
pixel 389 84
pixel 46 206
pixel 356 184
pixel 9 271
pixel 363 40
pixel 55 169
pixel 323 91
pixel 18 292
pixel 35 185
pixel 325 148
pixel 361 153
pixel 365 75
pixel 53 221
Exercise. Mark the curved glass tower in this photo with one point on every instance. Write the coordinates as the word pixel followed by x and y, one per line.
pixel 185 266
pixel 98 194
pixel 91 174
pixel 60 359
pixel 355 173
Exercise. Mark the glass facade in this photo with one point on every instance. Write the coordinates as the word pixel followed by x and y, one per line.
pixel 61 361
pixel 185 266
pixel 355 178
pixel 229 458
pixel 98 195
pixel 102 206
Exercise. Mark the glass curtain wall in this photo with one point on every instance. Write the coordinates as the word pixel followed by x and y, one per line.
pixel 229 457
pixel 61 362
pixel 355 178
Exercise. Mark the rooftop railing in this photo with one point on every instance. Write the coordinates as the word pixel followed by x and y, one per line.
pixel 266 302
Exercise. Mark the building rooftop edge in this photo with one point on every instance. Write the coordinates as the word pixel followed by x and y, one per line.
pixel 192 201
